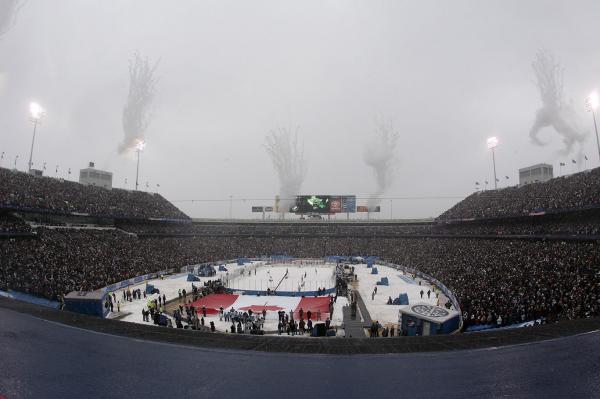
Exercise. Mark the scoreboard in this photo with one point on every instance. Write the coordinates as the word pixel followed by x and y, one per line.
pixel 324 204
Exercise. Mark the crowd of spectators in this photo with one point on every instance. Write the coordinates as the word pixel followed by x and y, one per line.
pixel 581 223
pixel 22 190
pixel 10 224
pixel 498 281
pixel 577 191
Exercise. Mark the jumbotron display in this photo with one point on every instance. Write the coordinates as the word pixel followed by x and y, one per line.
pixel 324 204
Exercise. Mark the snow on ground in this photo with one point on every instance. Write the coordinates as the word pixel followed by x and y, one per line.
pixel 132 311
pixel 398 283
pixel 262 276
pixel 255 276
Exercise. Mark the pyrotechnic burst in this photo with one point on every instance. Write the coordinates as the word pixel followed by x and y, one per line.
pixel 380 155
pixel 8 14
pixel 137 112
pixel 555 112
pixel 288 160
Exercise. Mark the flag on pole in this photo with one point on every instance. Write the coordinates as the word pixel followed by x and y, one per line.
pixel 507 177
pixel 562 164
pixel 573 161
pixel 585 156
pixel 157 185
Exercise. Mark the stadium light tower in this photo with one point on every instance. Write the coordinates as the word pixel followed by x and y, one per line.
pixel 592 102
pixel 37 114
pixel 492 143
pixel 138 148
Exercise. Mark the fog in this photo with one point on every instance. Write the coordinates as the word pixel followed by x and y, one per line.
pixel 448 74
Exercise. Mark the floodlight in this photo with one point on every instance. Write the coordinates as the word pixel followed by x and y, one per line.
pixel 37 112
pixel 592 101
pixel 141 144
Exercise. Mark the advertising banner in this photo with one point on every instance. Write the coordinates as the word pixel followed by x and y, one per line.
pixel 348 203
pixel 335 205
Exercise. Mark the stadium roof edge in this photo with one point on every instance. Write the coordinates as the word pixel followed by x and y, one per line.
pixel 310 222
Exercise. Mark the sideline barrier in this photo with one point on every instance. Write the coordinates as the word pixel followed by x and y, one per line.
pixel 135 280
pixel 29 298
pixel 281 293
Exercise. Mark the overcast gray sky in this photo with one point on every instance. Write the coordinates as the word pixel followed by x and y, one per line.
pixel 448 73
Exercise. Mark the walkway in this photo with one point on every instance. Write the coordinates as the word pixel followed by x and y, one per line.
pixel 355 328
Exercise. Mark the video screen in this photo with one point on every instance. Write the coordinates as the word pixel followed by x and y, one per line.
pixel 312 204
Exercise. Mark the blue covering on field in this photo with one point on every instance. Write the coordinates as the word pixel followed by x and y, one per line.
pixel 192 277
pixel 401 300
pixel 375 271
pixel 383 281
pixel 149 288
pixel 371 260
pixel 222 268
pixel 407 279
pixel 205 271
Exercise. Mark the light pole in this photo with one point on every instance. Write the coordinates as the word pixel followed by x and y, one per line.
pixel 492 143
pixel 592 102
pixel 1 158
pixel 138 148
pixel 37 113
pixel 17 157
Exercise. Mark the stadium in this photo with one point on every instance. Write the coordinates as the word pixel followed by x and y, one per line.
pixel 339 199
pixel 512 276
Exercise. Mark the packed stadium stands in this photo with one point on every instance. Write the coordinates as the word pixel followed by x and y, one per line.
pixel 571 192
pixel 22 191
pixel 503 271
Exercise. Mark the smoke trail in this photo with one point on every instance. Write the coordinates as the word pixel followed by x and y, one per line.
pixel 8 14
pixel 380 155
pixel 555 112
pixel 137 112
pixel 288 160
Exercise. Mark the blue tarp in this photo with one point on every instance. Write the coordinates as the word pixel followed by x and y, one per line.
pixel 383 281
pixel 401 300
pixel 374 271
